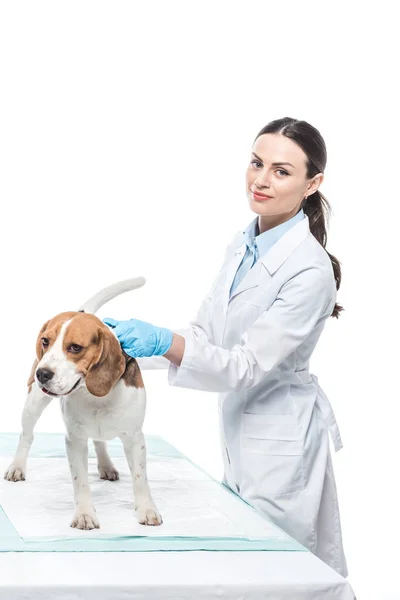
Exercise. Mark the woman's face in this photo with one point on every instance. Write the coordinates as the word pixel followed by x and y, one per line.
pixel 277 169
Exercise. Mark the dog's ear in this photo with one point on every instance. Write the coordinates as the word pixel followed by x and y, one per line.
pixel 31 379
pixel 107 366
pixel 39 347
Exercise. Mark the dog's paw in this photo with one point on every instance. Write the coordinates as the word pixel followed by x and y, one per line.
pixel 82 520
pixel 108 472
pixel 148 515
pixel 15 472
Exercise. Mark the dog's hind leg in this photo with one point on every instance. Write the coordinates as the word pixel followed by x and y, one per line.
pixel 104 464
pixel 35 404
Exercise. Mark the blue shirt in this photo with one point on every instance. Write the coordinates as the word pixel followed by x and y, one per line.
pixel 258 245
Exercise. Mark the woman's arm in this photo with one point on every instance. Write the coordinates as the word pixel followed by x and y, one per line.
pixel 301 303
pixel 153 363
pixel 177 349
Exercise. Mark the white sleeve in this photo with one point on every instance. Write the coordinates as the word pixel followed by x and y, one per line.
pixel 301 303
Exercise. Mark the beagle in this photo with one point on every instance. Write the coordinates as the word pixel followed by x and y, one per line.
pixel 102 396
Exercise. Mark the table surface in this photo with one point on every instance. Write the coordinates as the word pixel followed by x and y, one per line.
pixel 167 575
pixel 161 575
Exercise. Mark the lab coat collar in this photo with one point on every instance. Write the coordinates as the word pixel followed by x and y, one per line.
pixel 264 241
pixel 283 248
pixel 272 260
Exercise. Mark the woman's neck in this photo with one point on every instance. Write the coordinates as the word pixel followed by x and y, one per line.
pixel 265 223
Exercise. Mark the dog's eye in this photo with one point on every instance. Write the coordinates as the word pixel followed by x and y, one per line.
pixel 45 341
pixel 74 348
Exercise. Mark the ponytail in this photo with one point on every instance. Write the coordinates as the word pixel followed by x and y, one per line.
pixel 316 207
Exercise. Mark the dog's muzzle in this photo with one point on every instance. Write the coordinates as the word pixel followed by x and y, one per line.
pixel 45 375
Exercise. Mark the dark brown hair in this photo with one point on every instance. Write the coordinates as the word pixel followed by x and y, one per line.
pixel 316 206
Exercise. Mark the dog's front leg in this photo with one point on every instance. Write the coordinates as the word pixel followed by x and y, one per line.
pixel 85 513
pixel 35 404
pixel 135 452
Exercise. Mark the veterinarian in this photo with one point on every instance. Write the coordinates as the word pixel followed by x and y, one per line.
pixel 253 338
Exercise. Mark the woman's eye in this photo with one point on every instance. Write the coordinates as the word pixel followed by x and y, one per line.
pixel 256 161
pixel 75 348
pixel 257 164
pixel 45 342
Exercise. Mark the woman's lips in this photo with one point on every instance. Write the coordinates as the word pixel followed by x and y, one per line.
pixel 258 196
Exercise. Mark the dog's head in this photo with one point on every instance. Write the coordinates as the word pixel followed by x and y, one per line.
pixel 73 349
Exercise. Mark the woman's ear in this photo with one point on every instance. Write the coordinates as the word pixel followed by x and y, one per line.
pixel 107 366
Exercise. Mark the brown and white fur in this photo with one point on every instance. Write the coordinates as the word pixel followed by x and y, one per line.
pixel 102 396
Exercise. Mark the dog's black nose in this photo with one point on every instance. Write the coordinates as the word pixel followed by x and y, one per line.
pixel 44 375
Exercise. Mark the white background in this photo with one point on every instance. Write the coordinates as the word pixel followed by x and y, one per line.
pixel 125 132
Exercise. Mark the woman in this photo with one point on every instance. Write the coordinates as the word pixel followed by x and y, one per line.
pixel 253 338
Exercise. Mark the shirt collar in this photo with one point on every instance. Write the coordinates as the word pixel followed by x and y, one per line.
pixel 265 240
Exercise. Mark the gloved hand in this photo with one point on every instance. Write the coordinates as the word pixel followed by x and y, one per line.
pixel 139 339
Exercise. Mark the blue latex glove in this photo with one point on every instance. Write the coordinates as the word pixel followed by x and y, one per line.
pixel 138 338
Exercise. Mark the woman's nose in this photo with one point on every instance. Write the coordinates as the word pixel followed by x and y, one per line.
pixel 262 180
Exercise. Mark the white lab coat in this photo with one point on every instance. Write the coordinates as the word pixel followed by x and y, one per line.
pixel 254 349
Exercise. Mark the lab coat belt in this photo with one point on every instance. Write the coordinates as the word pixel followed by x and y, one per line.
pixel 328 415
pixel 325 407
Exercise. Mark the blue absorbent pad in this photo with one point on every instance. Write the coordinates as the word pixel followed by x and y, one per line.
pixel 199 513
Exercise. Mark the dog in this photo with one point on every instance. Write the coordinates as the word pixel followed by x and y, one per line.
pixel 102 396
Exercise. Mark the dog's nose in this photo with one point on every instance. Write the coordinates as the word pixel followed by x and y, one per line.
pixel 44 375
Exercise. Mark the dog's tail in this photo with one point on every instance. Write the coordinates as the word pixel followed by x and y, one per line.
pixel 108 293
